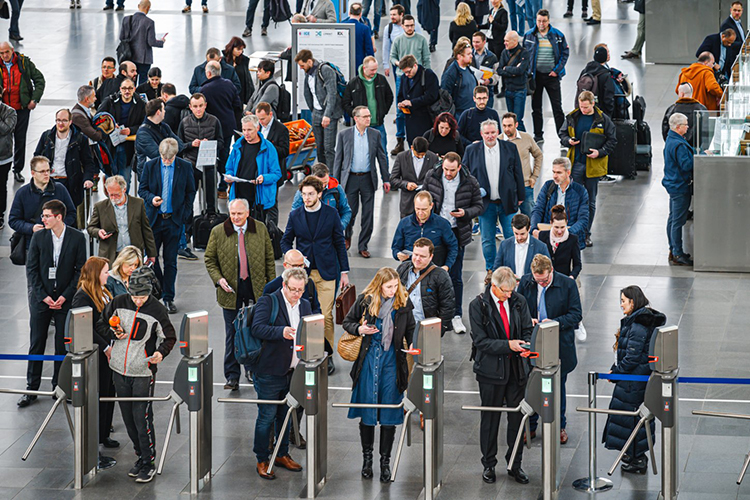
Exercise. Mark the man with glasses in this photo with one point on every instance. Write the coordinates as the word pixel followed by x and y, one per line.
pixel 552 296
pixel 501 328
pixel 239 259
pixel 471 119
pixel 106 84
pixel 56 256
pixel 358 149
pixel 68 151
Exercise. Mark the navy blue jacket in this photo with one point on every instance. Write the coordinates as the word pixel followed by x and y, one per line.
pixel 564 306
pixel 729 24
pixel 514 73
pixel 79 165
pixel 469 123
pixel 362 41
pixel 559 48
pixel 28 202
pixel 712 44
pixel 222 99
pixel 576 206
pixel 199 76
pixel 436 229
pixel 276 353
pixel 311 293
pixel 326 247
pixel 451 81
pixel 506 254
pixel 183 190
pixel 678 164
pixel 511 185
pixel 147 142
pixel 421 97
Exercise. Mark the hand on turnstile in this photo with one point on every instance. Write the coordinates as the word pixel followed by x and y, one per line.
pixel 518 345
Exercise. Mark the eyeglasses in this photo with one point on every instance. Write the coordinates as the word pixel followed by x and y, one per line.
pixel 127 88
pixel 365 116
pixel 62 121
pixel 310 195
pixel 543 281
pixel 295 290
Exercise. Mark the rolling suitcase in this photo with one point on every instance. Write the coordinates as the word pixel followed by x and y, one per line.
pixel 643 152
pixel 209 217
pixel 622 160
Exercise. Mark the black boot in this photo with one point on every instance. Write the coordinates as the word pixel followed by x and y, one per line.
pixel 367 436
pixel 387 433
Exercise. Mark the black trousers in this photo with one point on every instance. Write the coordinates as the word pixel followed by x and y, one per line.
pixel 138 417
pixel 19 139
pixel 4 170
pixel 41 316
pixel 360 187
pixel 552 85
pixel 509 394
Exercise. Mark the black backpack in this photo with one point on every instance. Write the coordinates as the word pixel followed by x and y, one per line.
pixel 284 107
pixel 589 82
pixel 443 104
pixel 280 11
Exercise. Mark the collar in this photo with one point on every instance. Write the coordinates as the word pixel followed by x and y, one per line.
pixel 515 137
pixel 311 71
pixel 361 134
pixel 174 162
pixel 316 209
pixel 242 227
pixel 62 234
pixel 493 148
pixel 289 304
pixel 559 186
pixel 528 240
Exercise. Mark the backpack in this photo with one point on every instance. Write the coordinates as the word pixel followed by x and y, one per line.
pixel 444 102
pixel 247 347
pixel 124 50
pixel 589 82
pixel 284 108
pixel 280 11
pixel 340 80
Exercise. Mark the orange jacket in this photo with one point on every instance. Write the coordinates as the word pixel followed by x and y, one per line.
pixel 706 89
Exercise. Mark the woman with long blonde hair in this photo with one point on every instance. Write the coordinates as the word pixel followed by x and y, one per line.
pixel 463 24
pixel 128 260
pixel 382 315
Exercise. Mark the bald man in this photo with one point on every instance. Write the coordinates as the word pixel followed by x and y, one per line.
pixel 139 28
pixel 294 258
pixel 686 105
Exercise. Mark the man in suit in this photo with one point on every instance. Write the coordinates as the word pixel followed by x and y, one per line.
pixel 56 255
pixel 518 252
pixel 500 326
pixel 317 11
pixel 151 134
pixel 359 147
pixel 723 48
pixel 168 189
pixel 322 98
pixel 409 172
pixel 497 167
pixel 734 22
pixel 315 230
pixel 227 72
pixel 273 372
pixel 362 35
pixel 278 135
pixel 120 221
pixel 333 195
pixel 139 29
pixel 552 296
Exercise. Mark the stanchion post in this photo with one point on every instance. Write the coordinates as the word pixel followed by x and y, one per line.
pixel 592 483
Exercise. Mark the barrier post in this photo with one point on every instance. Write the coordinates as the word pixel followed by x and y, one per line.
pixel 592 483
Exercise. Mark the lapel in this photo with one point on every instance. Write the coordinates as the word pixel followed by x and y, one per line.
pixel 283 313
pixel 529 254
pixel 131 211
pixel 497 319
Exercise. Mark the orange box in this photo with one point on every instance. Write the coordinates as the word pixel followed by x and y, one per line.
pixel 298 129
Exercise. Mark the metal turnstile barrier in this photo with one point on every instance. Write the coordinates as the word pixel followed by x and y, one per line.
pixel 740 416
pixel 660 402
pixel 542 396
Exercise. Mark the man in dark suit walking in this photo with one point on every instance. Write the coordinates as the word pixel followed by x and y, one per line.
pixel 552 296
pixel 168 188
pixel 725 51
pixel 518 252
pixel 139 29
pixel 500 324
pixel 358 148
pixel 56 255
pixel 734 22
pixel 410 170
pixel 315 230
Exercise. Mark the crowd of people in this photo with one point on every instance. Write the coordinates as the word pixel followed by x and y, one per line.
pixel 462 170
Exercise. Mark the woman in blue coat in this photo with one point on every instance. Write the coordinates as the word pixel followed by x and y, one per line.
pixel 631 345
pixel 382 315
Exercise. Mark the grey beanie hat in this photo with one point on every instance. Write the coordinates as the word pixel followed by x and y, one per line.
pixel 140 282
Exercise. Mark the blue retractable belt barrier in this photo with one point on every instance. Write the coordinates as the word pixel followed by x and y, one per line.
pixel 30 357
pixel 680 380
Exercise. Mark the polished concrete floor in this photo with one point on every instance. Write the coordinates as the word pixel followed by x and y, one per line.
pixel 630 248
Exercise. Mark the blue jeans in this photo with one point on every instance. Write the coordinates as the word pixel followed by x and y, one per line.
pixel 142 72
pixel 679 204
pixel 512 9
pixel 183 238
pixel 456 274
pixel 515 100
pixel 378 9
pixel 383 138
pixel 531 8
pixel 487 224
pixel 400 120
pixel 528 202
pixel 270 417
pixel 251 6
pixel 122 167
pixel 592 188
pixel 167 235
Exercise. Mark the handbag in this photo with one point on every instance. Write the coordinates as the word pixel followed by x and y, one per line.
pixel 4 10
pixel 349 346
pixel 591 141
pixel 18 241
pixel 344 302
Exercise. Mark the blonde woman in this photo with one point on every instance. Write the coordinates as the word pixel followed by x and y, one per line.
pixel 382 314
pixel 463 24
pixel 497 23
pixel 127 261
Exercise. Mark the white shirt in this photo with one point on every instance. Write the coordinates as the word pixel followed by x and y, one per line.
pixel 522 250
pixel 57 245
pixel 561 195
pixel 449 199
pixel 293 313
pixel 311 84
pixel 61 149
pixel 418 163
pixel 265 130
pixel 492 163
pixel 244 230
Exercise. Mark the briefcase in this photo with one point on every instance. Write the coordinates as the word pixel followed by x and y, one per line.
pixel 344 302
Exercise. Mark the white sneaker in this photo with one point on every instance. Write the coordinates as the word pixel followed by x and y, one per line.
pixel 581 332
pixel 458 325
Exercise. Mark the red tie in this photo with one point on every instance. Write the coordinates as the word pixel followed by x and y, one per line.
pixel 504 316
pixel 243 256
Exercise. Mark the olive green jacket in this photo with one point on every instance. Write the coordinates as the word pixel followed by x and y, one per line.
pixel 222 260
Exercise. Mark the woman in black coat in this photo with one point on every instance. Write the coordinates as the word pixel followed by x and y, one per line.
pixel 234 55
pixel 497 23
pixel 93 293
pixel 151 88
pixel 631 345
pixel 562 245
pixel 463 24
pixel 444 137
pixel 382 315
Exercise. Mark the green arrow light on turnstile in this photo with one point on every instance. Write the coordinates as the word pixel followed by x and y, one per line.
pixel 309 378
pixel 192 373
pixel 427 382
pixel 546 385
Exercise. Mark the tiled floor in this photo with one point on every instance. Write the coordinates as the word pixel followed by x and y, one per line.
pixel 630 248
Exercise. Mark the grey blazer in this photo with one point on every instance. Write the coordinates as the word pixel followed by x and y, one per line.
pixel 343 162
pixel 323 10
pixel 140 29
pixel 404 173
pixel 325 89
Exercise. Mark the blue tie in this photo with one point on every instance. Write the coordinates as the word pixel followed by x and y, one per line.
pixel 543 305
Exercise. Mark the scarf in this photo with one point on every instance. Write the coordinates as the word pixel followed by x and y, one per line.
pixel 386 328
pixel 555 242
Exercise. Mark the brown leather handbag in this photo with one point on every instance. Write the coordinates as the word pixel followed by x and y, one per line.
pixel 344 302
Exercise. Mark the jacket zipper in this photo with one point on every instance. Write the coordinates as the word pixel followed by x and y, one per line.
pixel 130 336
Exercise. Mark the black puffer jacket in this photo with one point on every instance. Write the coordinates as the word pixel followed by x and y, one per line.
pixel 468 197
pixel 175 109
pixel 191 128
pixel 356 95
pixel 403 328
pixel 636 331
pixel 438 299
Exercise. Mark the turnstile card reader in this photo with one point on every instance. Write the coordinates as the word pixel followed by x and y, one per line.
pixel 428 341
pixel 79 330
pixel 310 338
pixel 194 334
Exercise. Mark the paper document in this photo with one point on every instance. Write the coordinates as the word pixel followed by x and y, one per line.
pixel 237 179
pixel 206 154
pixel 116 137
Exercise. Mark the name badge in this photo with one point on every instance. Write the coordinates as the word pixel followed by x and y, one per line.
pixel 52 273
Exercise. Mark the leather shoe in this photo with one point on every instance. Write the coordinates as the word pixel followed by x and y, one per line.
pixel 170 307
pixel 589 243
pixel 331 366
pixel 106 462
pixel 365 254
pixel 563 436
pixel 347 242
pixel 110 443
pixel 287 463
pixel 26 400
pixel 232 385
pixel 18 177
pixel 262 469
pixel 488 476
pixel 519 475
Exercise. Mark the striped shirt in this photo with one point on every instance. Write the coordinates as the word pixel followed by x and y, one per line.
pixel 545 57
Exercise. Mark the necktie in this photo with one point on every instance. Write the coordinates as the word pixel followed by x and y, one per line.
pixel 243 256
pixel 543 305
pixel 504 316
